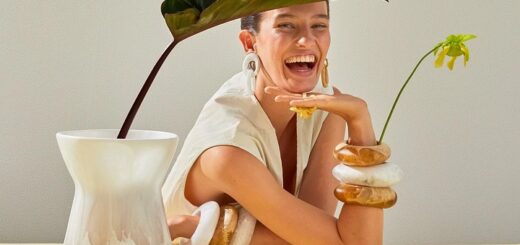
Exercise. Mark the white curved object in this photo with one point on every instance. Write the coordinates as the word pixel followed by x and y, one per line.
pixel 117 198
pixel 250 67
pixel 209 214
pixel 383 175
pixel 245 228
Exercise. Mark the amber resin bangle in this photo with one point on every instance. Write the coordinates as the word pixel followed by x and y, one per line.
pixel 226 225
pixel 377 197
pixel 362 156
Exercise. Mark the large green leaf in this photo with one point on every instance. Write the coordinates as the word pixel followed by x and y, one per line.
pixel 188 17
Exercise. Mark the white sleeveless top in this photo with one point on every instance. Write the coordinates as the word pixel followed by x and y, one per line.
pixel 234 117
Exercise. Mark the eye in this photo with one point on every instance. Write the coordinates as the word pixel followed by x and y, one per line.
pixel 320 26
pixel 286 26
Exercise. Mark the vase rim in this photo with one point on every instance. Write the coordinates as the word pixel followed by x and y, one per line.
pixel 111 135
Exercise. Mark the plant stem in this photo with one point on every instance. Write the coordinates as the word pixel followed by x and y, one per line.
pixel 401 91
pixel 140 97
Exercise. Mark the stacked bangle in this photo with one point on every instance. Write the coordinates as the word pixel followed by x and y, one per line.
pixel 365 176
pixel 362 156
pixel 234 226
pixel 226 225
pixel 376 197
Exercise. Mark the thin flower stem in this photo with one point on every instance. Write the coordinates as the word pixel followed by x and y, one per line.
pixel 401 91
pixel 140 97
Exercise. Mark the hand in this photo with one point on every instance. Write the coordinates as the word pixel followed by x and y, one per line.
pixel 182 226
pixel 346 106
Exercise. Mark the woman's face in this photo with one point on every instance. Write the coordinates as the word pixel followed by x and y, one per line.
pixel 292 43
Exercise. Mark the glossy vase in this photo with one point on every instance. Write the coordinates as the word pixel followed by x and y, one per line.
pixel 118 182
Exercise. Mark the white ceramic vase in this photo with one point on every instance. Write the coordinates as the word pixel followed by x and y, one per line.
pixel 118 182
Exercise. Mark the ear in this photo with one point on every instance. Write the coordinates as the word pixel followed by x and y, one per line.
pixel 247 39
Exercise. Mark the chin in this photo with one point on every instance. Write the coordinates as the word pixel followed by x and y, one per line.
pixel 302 86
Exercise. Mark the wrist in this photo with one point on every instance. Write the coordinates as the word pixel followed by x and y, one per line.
pixel 359 121
pixel 360 130
pixel 358 110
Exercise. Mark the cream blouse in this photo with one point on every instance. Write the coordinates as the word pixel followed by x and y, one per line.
pixel 234 117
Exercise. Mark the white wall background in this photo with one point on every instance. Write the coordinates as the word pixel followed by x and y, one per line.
pixel 68 65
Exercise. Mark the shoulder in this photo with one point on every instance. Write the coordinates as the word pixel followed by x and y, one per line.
pixel 225 153
pixel 229 168
pixel 223 161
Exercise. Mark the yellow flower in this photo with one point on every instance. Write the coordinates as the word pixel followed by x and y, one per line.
pixel 454 47
pixel 303 112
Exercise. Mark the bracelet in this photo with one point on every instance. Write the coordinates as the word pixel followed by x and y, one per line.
pixel 226 225
pixel 376 197
pixel 362 156
pixel 382 175
pixel 209 214
pixel 364 176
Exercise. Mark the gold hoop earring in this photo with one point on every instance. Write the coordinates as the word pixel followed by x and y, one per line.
pixel 325 73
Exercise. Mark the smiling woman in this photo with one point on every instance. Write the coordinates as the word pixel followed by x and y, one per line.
pixel 75 65
pixel 247 147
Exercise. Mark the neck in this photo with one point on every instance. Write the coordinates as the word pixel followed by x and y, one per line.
pixel 277 112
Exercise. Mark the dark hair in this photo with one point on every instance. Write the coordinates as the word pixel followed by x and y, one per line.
pixel 250 23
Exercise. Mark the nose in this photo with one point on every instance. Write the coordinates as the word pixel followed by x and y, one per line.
pixel 305 38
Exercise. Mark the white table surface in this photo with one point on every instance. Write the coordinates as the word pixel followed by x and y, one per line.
pixel 62 244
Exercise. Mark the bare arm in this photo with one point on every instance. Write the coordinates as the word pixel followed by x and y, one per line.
pixel 263 235
pixel 356 225
pixel 318 183
pixel 365 224
pixel 246 179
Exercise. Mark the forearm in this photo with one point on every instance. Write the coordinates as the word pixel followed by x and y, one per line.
pixel 318 182
pixel 358 224
pixel 299 222
pixel 361 225
pixel 263 235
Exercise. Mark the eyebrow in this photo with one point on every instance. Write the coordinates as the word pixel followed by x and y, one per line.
pixel 319 16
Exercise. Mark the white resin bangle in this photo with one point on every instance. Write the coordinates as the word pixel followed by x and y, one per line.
pixel 383 175
pixel 245 228
pixel 209 214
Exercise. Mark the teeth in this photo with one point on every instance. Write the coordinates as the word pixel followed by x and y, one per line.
pixel 301 58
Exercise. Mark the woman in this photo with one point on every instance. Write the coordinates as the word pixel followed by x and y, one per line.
pixel 248 147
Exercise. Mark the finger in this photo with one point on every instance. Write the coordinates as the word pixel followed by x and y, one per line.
pixel 276 91
pixel 306 103
pixel 273 90
pixel 287 98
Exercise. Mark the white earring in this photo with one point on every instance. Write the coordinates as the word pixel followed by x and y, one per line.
pixel 250 68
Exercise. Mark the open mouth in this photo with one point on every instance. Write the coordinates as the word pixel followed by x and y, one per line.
pixel 301 64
